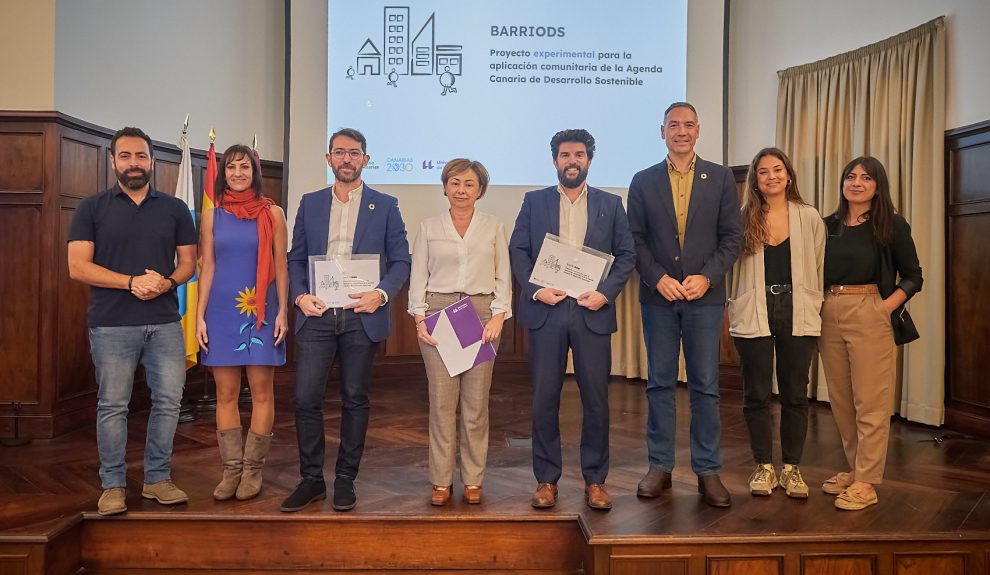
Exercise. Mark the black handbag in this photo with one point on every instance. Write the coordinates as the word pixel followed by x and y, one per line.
pixel 900 320
pixel 904 328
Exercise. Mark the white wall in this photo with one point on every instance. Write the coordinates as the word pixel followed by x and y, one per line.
pixel 307 125
pixel 148 63
pixel 770 35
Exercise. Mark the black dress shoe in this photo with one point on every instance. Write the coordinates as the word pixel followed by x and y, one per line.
pixel 654 482
pixel 344 497
pixel 713 492
pixel 306 492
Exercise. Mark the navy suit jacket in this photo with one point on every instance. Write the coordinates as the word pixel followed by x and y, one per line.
pixel 712 237
pixel 608 231
pixel 379 230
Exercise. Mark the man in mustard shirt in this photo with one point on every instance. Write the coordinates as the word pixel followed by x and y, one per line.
pixel 684 217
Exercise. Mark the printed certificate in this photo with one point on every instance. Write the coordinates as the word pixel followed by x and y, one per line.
pixel 574 269
pixel 333 278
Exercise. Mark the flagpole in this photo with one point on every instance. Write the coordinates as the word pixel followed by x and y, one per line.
pixel 208 401
pixel 187 291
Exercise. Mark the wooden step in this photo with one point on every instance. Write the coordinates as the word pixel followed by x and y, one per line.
pixel 330 543
pixel 326 572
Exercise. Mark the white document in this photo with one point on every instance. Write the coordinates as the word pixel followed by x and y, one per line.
pixel 573 269
pixel 333 279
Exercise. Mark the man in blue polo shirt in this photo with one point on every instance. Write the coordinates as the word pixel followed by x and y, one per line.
pixel 134 245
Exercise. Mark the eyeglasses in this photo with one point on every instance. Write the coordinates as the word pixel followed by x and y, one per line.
pixel 339 153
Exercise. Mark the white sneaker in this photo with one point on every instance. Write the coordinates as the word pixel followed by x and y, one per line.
pixel 792 482
pixel 764 480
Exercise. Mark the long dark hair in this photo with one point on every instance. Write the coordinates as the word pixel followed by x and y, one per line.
pixel 754 205
pixel 236 152
pixel 881 213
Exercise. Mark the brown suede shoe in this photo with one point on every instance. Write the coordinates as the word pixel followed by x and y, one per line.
pixel 112 501
pixel 713 492
pixel 653 483
pixel 440 495
pixel 545 496
pixel 472 494
pixel 596 497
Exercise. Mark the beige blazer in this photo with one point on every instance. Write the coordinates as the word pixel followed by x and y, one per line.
pixel 747 288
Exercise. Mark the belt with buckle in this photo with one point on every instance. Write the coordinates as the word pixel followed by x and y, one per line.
pixel 853 289
pixel 777 289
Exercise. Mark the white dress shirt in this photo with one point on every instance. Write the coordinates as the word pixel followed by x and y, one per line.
pixel 573 216
pixel 343 222
pixel 444 262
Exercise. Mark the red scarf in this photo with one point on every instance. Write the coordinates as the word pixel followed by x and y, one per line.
pixel 247 206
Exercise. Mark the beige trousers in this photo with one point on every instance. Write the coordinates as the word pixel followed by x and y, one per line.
pixel 858 355
pixel 470 391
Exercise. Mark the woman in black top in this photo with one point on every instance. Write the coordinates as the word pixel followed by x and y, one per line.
pixel 871 270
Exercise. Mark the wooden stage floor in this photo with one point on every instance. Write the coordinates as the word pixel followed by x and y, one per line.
pixel 933 491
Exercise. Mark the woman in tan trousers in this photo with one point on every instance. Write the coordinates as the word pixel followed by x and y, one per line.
pixel 871 270
pixel 462 252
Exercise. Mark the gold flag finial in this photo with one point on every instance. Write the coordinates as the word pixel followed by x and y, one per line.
pixel 213 135
pixel 254 142
pixel 185 125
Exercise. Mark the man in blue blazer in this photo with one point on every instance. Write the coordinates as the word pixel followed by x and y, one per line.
pixel 580 215
pixel 684 216
pixel 346 219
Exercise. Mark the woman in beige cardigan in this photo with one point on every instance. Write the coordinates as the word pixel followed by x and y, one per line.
pixel 774 314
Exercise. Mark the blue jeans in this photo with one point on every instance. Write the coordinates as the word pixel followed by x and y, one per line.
pixel 699 327
pixel 117 351
pixel 336 334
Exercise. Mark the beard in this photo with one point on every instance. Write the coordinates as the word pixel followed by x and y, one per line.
pixel 345 178
pixel 134 179
pixel 574 182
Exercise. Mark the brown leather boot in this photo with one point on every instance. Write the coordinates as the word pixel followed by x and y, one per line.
pixel 255 450
pixel 231 455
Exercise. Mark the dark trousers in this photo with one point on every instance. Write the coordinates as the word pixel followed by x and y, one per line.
pixel 793 360
pixel 321 339
pixel 548 345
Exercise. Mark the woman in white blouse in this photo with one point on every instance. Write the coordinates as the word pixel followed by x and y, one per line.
pixel 462 252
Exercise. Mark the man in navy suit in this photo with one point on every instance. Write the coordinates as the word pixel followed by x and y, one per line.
pixel 580 215
pixel 348 218
pixel 684 216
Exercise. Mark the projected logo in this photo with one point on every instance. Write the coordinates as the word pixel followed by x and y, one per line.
pixel 408 55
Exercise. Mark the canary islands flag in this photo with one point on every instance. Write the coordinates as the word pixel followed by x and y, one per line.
pixel 189 291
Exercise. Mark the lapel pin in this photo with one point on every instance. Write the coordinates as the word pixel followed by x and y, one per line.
pixel 371 206
pixel 704 176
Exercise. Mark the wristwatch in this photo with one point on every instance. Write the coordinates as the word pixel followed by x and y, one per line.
pixel 174 283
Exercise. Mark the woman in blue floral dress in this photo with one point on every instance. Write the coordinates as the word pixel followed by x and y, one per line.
pixel 243 290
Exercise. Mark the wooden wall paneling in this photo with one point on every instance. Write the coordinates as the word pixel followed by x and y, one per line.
pixel 930 564
pixel 14 564
pixel 403 341
pixel 79 168
pixel 20 284
pixel 22 161
pixel 967 345
pixel 647 565
pixel 745 565
pixel 166 175
pixel 271 181
pixel 969 308
pixel 833 563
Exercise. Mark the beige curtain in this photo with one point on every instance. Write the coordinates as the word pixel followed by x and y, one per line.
pixel 885 100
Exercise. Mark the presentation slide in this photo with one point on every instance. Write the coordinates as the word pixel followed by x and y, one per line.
pixel 432 80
